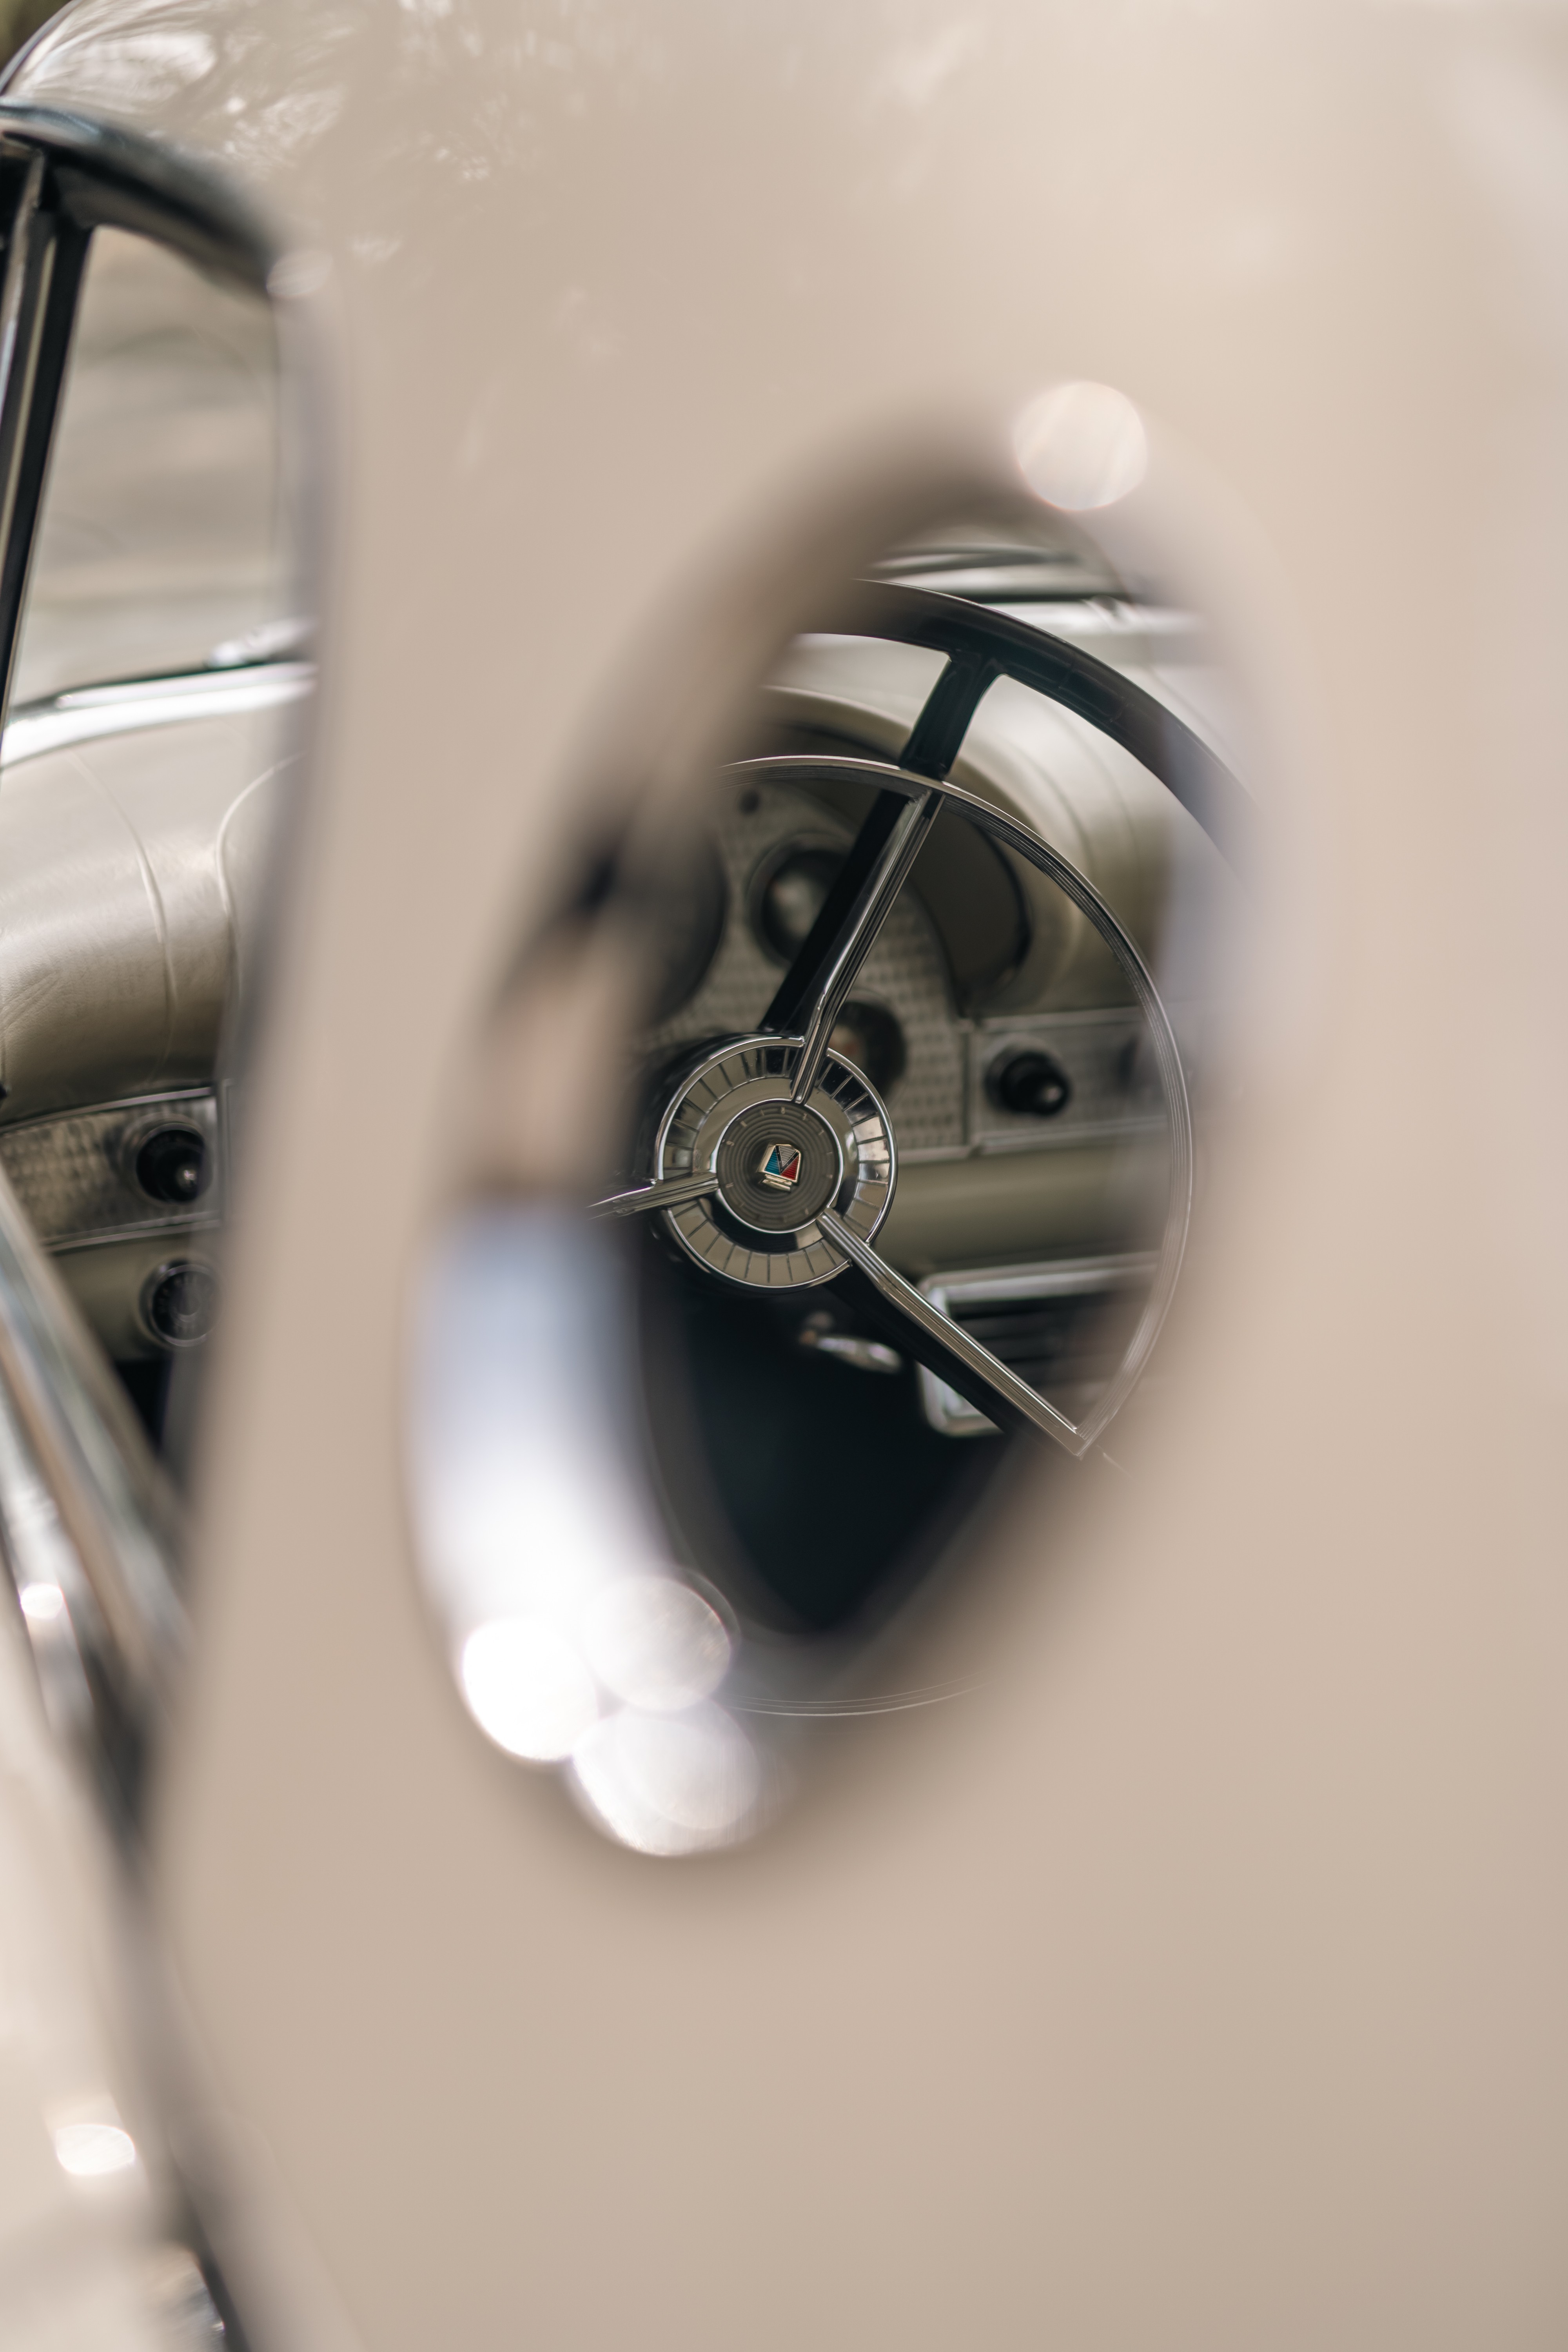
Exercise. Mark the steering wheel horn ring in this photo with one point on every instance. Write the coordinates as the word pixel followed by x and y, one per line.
pixel 774 1166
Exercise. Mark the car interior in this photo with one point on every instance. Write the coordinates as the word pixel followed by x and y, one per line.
pixel 997 1028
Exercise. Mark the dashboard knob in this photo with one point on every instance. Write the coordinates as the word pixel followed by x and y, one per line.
pixel 1030 1084
pixel 179 1303
pixel 171 1165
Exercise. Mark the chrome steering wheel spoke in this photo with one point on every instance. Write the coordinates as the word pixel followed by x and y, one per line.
pixel 668 1192
pixel 946 1349
pixel 858 933
pixel 812 994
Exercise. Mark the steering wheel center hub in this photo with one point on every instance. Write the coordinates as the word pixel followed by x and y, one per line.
pixel 777 1164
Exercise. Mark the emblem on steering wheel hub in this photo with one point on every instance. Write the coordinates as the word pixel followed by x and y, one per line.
pixel 777 1163
pixel 783 1174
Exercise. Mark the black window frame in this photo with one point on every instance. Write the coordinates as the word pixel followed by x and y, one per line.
pixel 62 176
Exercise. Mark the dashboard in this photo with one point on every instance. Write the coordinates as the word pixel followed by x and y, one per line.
pixel 135 825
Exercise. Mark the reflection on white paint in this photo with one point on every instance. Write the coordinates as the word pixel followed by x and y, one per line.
pixel 656 1643
pixel 573 1634
pixel 1081 446
pixel 528 1687
pixel 42 1604
pixel 526 1505
pixel 670 1784
pixel 86 2151
pixel 293 276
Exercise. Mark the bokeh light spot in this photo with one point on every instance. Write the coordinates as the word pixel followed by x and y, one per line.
pixel 1081 446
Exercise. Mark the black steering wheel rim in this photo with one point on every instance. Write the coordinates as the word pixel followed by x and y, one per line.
pixel 989 645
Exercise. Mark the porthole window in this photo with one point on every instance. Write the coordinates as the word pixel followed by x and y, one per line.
pixel 899 1147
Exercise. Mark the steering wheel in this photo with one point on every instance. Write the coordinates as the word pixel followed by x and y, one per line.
pixel 773 1159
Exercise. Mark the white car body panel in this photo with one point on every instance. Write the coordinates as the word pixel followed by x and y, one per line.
pixel 1200 1983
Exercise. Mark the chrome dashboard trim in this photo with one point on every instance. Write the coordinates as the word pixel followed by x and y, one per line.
pixel 87 712
pixel 1091 1045
pixel 72 1175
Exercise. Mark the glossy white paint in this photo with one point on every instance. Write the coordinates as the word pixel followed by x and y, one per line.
pixel 1202 1983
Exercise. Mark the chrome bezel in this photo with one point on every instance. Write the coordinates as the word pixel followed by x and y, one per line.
pixel 161 1274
